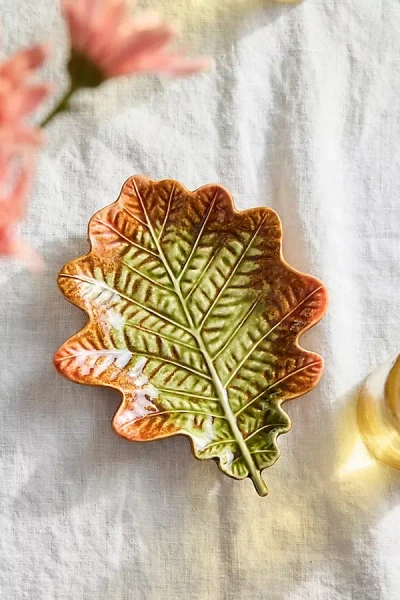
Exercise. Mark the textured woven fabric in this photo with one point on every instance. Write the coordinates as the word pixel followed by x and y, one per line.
pixel 302 113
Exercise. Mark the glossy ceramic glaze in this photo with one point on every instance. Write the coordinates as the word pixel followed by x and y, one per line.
pixel 195 317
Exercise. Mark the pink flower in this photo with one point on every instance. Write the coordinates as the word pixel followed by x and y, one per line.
pixel 15 184
pixel 18 98
pixel 113 43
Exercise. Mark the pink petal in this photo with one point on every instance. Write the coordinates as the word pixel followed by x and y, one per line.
pixel 6 235
pixel 180 66
pixel 94 14
pixel 3 170
pixel 28 136
pixel 11 245
pixel 93 8
pixel 91 14
pixel 171 64
pixel 96 28
pixel 77 25
pixel 31 97
pixel 23 252
pixel 108 31
pixel 145 22
pixel 23 63
pixel 12 207
pixel 23 187
pixel 117 12
pixel 137 46
pixel 146 19
pixel 11 211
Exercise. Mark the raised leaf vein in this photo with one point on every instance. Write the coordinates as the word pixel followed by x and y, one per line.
pixel 176 364
pixel 198 237
pixel 195 396
pixel 163 336
pixel 267 389
pixel 131 242
pixel 265 336
pixel 199 278
pixel 93 281
pixel 173 411
pixel 237 265
pixel 149 279
pixel 268 426
pixel 171 195
pixel 237 327
pixel 222 442
pixel 135 217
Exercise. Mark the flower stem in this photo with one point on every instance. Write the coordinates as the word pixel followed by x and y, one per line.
pixel 62 106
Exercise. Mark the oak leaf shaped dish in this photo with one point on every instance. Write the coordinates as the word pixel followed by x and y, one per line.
pixel 194 316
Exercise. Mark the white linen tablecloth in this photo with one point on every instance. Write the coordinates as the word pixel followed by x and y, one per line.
pixel 302 113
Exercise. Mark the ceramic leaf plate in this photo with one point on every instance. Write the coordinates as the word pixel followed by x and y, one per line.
pixel 194 316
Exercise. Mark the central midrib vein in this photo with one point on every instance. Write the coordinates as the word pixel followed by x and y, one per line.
pixel 221 392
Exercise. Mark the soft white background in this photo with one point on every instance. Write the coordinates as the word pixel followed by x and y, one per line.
pixel 302 113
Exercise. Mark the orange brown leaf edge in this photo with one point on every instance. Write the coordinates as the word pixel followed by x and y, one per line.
pixel 194 316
